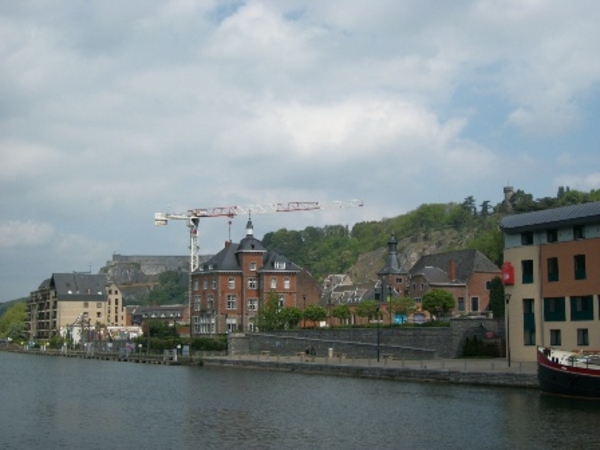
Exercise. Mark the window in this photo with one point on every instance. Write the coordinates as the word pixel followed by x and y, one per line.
pixel 582 308
pixel 252 304
pixel 98 315
pixel 99 305
pixel 555 337
pixel 210 302
pixel 279 264
pixel 196 285
pixel 86 304
pixel 231 324
pixel 554 309
pixel 116 302
pixel 551 235
pixel 286 283
pixel 422 286
pixel 461 303
pixel 398 280
pixel 579 262
pixel 474 303
pixel 578 232
pixel 552 269
pixel 231 302
pixel 231 283
pixel 281 301
pixel 253 266
pixel 205 284
pixel 527 271
pixel 214 283
pixel 583 337
pixel 197 302
pixel 273 283
pixel 528 322
pixel 252 283
pixel 527 238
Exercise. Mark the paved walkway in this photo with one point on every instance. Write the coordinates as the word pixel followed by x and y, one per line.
pixel 462 365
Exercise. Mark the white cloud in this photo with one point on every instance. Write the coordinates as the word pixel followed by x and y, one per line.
pixel 15 233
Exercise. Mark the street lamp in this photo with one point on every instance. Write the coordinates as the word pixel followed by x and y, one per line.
pixel 377 319
pixel 506 314
pixel 304 311
pixel 389 301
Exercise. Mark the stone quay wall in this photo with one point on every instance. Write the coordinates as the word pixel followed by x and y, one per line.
pixel 398 343
pixel 480 378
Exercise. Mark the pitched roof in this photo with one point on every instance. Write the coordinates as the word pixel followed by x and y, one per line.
pixel 551 218
pixel 79 286
pixel 466 263
pixel 225 260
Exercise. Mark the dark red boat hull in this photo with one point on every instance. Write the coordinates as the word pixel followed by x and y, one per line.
pixel 560 379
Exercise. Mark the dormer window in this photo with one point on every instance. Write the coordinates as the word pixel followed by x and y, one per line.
pixel 279 265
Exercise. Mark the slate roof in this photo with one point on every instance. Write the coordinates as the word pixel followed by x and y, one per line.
pixel 225 260
pixel 79 286
pixel 392 263
pixel 466 263
pixel 551 218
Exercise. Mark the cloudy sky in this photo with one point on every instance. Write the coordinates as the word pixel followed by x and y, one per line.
pixel 111 111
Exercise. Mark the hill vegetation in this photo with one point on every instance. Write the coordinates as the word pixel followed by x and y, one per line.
pixel 436 227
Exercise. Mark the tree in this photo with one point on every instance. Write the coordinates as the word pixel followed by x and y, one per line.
pixel 315 313
pixel 401 305
pixel 268 314
pixel 497 305
pixel 341 312
pixel 438 302
pixel 12 322
pixel 290 317
pixel 367 308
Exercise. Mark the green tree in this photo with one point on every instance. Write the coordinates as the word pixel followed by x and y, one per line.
pixel 341 312
pixel 315 313
pixel 12 322
pixel 172 289
pixel 367 308
pixel 401 305
pixel 497 305
pixel 291 317
pixel 438 302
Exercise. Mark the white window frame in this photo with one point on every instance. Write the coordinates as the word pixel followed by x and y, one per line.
pixel 286 283
pixel 231 283
pixel 273 282
pixel 231 302
pixel 253 266
pixel 252 304
pixel 197 302
pixel 252 283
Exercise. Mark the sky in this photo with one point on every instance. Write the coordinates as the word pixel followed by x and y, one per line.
pixel 112 111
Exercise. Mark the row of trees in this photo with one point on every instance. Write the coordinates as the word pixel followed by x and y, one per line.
pixel 273 317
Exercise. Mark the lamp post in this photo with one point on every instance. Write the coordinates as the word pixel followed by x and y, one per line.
pixel 389 302
pixel 304 311
pixel 506 314
pixel 377 319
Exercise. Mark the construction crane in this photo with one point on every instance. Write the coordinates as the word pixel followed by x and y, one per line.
pixel 193 217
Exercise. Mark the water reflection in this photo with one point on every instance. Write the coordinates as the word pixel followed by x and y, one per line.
pixel 70 403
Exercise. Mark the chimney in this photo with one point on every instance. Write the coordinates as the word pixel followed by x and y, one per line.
pixel 452 270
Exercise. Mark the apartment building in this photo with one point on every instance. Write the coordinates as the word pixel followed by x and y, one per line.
pixel 73 299
pixel 551 277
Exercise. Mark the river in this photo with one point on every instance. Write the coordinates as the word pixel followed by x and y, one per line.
pixel 69 403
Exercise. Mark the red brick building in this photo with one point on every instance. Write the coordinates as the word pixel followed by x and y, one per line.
pixel 466 274
pixel 229 288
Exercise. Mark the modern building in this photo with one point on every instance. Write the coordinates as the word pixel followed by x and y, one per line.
pixel 229 289
pixel 551 279
pixel 466 274
pixel 68 300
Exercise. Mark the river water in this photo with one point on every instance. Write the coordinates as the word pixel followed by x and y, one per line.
pixel 68 403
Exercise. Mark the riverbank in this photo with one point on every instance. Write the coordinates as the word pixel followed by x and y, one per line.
pixel 482 372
